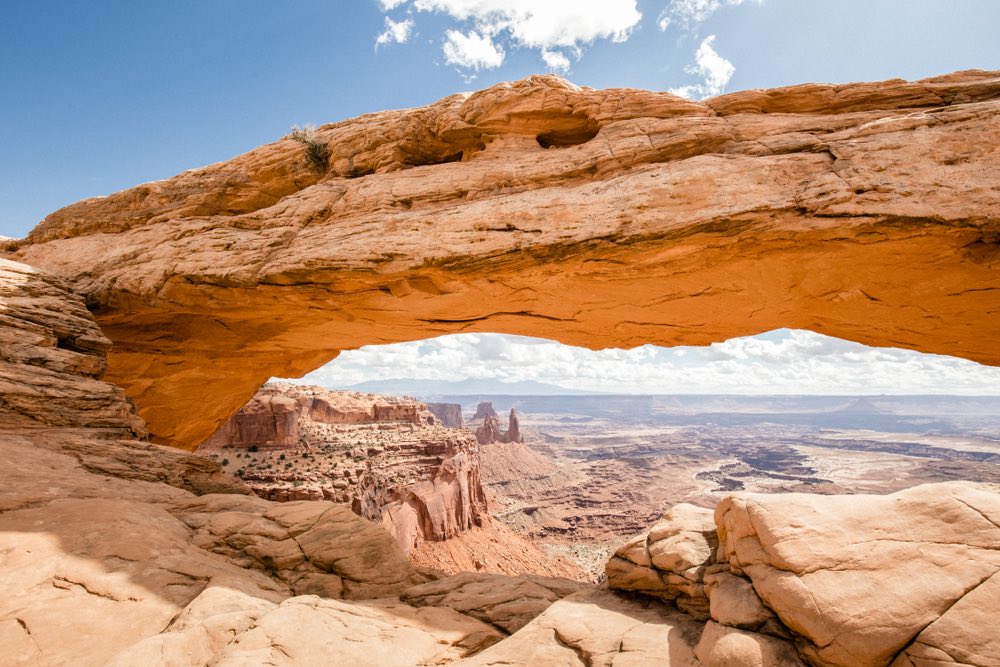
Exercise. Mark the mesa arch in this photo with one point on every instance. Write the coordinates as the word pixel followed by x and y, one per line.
pixel 596 218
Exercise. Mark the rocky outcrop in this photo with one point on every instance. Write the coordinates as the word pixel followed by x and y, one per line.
pixel 386 457
pixel 449 414
pixel 487 425
pixel 608 218
pixel 600 629
pixel 671 560
pixel 154 551
pixel 863 580
pixel 908 578
pixel 484 410
pixel 508 603
pixel 52 359
pixel 513 433
pixel 271 419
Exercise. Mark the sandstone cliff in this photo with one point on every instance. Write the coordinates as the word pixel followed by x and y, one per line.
pixel 594 217
pixel 450 414
pixel 386 457
pixel 486 423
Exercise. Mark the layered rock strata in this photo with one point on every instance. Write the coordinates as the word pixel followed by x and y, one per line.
pixel 450 414
pixel 386 457
pixel 487 425
pixel 600 218
pixel 118 551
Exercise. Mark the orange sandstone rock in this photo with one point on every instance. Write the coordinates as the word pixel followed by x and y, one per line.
pixel 594 217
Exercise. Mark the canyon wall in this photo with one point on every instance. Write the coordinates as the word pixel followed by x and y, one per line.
pixel 388 458
pixel 450 414
pixel 594 217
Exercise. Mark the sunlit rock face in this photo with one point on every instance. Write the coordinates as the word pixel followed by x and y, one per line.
pixel 389 458
pixel 838 581
pixel 593 217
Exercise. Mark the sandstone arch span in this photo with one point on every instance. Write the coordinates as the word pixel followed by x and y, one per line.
pixel 596 218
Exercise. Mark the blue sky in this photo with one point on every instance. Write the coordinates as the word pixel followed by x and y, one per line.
pixel 102 96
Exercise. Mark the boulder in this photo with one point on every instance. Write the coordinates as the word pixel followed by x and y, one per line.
pixel 507 603
pixel 860 579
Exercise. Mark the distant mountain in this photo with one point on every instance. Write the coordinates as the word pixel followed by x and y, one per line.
pixel 433 388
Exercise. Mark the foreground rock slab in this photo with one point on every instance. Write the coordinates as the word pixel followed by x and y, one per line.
pixel 597 218
pixel 600 629
pixel 860 579
pixel 507 603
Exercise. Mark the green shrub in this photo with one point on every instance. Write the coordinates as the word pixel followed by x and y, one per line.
pixel 317 152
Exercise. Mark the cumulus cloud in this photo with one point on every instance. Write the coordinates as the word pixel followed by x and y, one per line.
pixel 555 60
pixel 546 26
pixel 782 362
pixel 472 50
pixel 395 31
pixel 687 14
pixel 714 70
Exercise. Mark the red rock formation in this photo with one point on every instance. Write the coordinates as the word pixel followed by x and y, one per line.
pixel 484 410
pixel 450 414
pixel 513 433
pixel 387 457
pixel 488 430
pixel 135 545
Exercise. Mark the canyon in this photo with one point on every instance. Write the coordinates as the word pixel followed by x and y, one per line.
pixel 388 458
pixel 135 326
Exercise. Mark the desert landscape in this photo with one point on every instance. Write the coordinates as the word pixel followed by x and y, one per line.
pixel 164 502
pixel 571 478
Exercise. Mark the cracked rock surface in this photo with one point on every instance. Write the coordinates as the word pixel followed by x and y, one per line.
pixel 594 217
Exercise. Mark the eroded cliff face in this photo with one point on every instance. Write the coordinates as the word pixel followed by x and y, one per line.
pixel 388 458
pixel 486 423
pixel 596 218
pixel 121 552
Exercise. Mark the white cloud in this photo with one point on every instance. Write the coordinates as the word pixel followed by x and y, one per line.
pixel 555 60
pixel 395 31
pixel 782 362
pixel 688 13
pixel 535 24
pixel 714 70
pixel 472 51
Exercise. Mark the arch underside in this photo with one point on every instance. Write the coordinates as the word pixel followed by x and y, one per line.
pixel 868 213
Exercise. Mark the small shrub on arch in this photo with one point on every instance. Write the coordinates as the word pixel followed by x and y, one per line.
pixel 317 152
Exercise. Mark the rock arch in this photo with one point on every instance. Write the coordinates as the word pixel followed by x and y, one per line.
pixel 862 211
